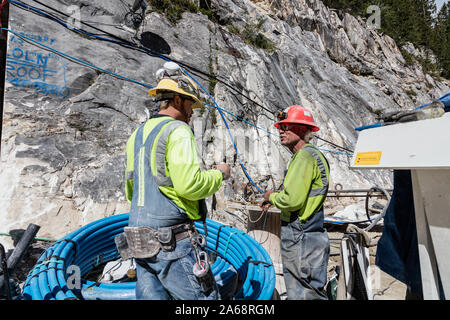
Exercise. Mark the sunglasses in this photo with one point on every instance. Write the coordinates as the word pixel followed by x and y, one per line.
pixel 286 127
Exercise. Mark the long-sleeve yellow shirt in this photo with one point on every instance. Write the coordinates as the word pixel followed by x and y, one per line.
pixel 182 165
pixel 302 176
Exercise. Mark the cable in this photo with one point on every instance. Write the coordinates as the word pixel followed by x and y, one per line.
pixel 128 44
pixel 240 119
pixel 235 249
pixel 275 135
pixel 76 59
pixel 333 144
pixel 228 129
pixel 336 152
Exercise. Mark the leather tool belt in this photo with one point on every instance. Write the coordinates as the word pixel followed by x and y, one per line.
pixel 145 242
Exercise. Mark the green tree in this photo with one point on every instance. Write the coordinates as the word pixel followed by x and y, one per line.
pixel 440 39
pixel 412 21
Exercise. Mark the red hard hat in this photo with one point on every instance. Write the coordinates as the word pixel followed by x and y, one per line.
pixel 299 115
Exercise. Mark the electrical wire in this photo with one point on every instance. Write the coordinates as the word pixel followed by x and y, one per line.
pixel 130 45
pixel 46 14
pixel 143 49
pixel 228 129
pixel 73 59
pixel 241 119
pixel 333 144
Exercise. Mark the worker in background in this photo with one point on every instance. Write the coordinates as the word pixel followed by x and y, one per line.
pixel 165 187
pixel 305 246
pixel 133 18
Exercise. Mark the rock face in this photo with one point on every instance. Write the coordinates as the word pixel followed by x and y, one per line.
pixel 65 125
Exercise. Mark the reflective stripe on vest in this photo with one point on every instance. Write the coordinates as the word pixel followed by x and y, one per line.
pixel 149 206
pixel 140 148
pixel 160 155
pixel 323 173
pixel 141 201
pixel 288 216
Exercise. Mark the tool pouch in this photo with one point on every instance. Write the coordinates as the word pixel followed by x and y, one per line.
pixel 122 246
pixel 166 238
pixel 142 242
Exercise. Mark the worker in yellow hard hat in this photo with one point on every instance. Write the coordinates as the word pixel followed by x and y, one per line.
pixel 305 246
pixel 166 190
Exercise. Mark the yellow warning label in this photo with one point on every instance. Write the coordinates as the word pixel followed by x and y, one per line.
pixel 368 158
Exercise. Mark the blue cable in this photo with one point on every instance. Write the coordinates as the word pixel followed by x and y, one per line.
pixel 84 246
pixel 155 54
pixel 167 59
pixel 78 60
pixel 239 118
pixel 85 32
pixel 226 124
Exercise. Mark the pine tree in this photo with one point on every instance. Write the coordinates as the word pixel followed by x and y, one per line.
pixel 412 21
pixel 441 39
pixel 424 11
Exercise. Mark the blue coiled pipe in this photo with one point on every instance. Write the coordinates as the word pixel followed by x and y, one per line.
pixel 239 256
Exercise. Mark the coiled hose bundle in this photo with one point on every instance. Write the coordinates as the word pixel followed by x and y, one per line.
pixel 239 256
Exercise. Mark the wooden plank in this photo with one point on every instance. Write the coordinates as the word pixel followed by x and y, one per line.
pixel 265 227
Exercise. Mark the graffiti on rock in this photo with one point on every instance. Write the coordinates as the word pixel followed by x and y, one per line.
pixel 43 71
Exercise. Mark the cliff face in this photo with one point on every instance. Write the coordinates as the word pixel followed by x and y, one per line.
pixel 65 125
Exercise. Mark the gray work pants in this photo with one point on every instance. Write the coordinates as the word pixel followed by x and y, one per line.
pixel 305 257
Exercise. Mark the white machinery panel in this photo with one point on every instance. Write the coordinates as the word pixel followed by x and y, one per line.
pixel 412 145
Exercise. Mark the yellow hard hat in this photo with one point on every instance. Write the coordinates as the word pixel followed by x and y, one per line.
pixel 168 87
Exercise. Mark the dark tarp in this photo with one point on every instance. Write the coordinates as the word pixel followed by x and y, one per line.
pixel 397 250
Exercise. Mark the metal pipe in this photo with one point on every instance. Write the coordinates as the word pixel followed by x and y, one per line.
pixel 357 190
pixel 352 196
pixel 22 246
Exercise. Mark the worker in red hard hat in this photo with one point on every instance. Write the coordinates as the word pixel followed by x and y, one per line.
pixel 297 115
pixel 305 246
